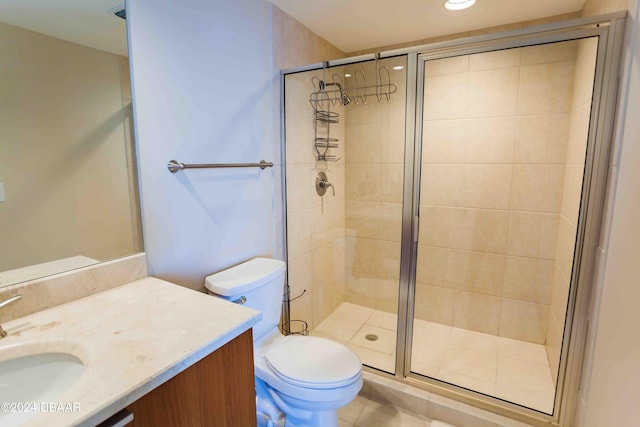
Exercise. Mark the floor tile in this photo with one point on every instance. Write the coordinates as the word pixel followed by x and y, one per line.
pixel 521 350
pixel 386 342
pixel 354 311
pixel 513 370
pixel 474 340
pixel 384 320
pixel 339 326
pixel 352 411
pixel 469 362
pixel 376 414
pixel 528 377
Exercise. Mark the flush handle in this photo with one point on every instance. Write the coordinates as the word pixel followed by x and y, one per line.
pixel 240 300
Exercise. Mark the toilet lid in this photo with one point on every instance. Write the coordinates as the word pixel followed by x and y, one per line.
pixel 313 362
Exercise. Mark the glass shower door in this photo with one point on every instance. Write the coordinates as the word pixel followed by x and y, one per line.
pixel 504 137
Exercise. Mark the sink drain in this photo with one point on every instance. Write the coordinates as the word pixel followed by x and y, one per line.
pixel 371 337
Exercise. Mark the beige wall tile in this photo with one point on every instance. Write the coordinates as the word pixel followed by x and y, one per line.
pixel 537 188
pixel 585 71
pixel 477 312
pixel 363 182
pixel 444 141
pixel 470 229
pixel 489 140
pixel 566 244
pixel 357 114
pixel 300 274
pixel 445 97
pixel 446 66
pixel 362 143
pixel 496 59
pixel 528 279
pixel 523 321
pixel 464 270
pixel 299 236
pixel 572 193
pixel 559 296
pixel 361 289
pixel 554 345
pixel 362 219
pixel 486 140
pixel 542 139
pixel 548 236
pixel 392 136
pixel 578 134
pixel 551 52
pixel 328 224
pixel 493 92
pixel 388 259
pixel 387 295
pixel 471 186
pixel 545 88
pixel 391 182
pixel 300 184
pixel 393 110
pixel 362 255
pixel 434 304
pixel 390 221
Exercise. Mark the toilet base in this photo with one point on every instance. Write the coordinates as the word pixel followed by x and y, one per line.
pixel 317 419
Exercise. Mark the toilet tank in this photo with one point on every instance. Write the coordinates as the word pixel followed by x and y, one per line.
pixel 258 284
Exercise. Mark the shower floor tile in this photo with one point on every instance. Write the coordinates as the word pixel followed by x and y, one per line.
pixel 512 370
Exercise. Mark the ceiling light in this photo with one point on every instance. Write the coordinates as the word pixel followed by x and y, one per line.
pixel 398 67
pixel 347 75
pixel 458 4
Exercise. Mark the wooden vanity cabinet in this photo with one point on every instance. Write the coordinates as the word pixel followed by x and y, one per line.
pixel 218 391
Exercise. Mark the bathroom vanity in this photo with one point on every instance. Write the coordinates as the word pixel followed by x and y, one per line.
pixel 167 354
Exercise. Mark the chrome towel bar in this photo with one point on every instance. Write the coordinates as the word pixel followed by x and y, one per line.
pixel 175 166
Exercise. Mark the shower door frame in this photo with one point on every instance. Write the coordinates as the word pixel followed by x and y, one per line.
pixel 593 191
pixel 610 32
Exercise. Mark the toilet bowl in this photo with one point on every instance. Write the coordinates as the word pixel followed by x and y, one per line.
pixel 305 378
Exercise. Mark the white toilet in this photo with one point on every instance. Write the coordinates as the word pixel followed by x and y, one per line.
pixel 306 378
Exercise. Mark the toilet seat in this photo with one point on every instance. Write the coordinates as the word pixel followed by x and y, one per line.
pixel 313 362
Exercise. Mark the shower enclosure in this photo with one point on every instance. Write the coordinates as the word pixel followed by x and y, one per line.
pixel 443 206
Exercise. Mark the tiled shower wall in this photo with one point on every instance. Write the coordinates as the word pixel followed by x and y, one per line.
pixel 374 172
pixel 315 225
pixel 496 130
pixel 574 171
pixel 501 132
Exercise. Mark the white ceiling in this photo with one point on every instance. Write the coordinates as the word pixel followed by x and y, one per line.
pixel 84 22
pixel 364 24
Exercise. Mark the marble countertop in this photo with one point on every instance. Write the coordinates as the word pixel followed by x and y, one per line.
pixel 131 339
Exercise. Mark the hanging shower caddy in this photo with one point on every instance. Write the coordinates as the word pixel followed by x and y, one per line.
pixel 326 95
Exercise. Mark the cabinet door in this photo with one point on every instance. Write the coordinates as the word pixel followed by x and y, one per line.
pixel 217 391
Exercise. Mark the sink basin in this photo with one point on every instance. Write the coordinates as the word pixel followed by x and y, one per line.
pixel 33 379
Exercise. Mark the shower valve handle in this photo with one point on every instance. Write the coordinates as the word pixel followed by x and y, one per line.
pixel 322 184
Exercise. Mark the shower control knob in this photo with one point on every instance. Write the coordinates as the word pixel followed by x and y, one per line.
pixel 322 184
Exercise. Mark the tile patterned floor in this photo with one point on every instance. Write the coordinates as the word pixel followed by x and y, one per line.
pixel 512 370
pixel 363 412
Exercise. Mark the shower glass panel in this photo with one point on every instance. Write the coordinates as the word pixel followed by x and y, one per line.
pixel 344 249
pixel 504 137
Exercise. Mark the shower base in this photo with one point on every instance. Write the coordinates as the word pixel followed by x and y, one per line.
pixel 516 371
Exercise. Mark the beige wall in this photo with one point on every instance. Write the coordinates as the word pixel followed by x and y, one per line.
pixel 63 152
pixel 572 191
pixel 496 130
pixel 315 225
pixel 374 173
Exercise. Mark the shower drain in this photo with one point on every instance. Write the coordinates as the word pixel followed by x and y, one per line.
pixel 371 337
